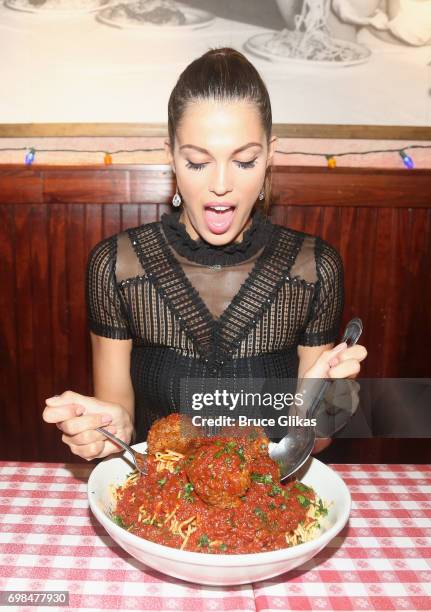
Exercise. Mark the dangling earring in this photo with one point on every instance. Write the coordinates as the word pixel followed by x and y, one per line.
pixel 261 194
pixel 176 200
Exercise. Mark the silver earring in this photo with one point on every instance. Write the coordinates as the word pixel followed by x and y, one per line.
pixel 261 195
pixel 176 200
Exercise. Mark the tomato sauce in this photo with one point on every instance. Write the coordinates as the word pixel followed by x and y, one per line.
pixel 257 520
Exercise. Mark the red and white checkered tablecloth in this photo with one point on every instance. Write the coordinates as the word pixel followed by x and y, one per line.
pixel 50 541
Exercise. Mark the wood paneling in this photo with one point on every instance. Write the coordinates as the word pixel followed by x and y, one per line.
pixel 50 218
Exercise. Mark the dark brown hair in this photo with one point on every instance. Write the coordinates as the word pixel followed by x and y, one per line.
pixel 222 74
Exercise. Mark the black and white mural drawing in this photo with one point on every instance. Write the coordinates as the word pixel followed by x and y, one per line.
pixel 337 62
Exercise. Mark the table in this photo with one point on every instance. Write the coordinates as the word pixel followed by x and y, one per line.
pixel 49 540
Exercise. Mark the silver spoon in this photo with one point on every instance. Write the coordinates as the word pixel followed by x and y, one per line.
pixel 139 459
pixel 294 449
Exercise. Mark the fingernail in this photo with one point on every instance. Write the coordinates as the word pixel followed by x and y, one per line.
pixel 106 419
pixel 79 411
pixel 341 346
pixel 51 398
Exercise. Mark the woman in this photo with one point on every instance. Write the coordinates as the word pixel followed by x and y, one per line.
pixel 214 289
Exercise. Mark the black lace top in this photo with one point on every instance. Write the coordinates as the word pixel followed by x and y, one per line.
pixel 194 310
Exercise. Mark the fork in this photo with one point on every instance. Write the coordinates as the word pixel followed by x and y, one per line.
pixel 139 459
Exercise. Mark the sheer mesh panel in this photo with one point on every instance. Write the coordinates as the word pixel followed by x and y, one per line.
pixel 304 267
pixel 217 286
pixel 127 264
pixel 107 315
pixel 327 308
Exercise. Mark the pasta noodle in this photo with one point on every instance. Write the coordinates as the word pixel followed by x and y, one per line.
pixel 311 39
pixel 164 507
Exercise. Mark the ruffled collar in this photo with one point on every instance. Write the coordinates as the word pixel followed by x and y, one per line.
pixel 200 251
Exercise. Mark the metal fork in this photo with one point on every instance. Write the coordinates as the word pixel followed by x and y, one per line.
pixel 139 459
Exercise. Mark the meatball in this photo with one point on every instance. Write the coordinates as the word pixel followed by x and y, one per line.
pixel 265 469
pixel 219 472
pixel 174 432
pixel 253 439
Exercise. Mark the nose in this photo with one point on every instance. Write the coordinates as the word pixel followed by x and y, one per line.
pixel 220 183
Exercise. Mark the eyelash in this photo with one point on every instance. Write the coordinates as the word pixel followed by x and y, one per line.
pixel 243 165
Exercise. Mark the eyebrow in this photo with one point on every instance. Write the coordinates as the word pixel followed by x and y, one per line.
pixel 202 150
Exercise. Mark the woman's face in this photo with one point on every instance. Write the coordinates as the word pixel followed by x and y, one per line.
pixel 220 157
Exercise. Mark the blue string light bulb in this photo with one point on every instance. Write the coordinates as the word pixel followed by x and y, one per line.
pixel 407 160
pixel 29 158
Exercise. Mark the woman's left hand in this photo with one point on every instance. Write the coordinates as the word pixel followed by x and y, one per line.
pixel 338 362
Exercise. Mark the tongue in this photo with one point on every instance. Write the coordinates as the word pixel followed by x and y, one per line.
pixel 218 222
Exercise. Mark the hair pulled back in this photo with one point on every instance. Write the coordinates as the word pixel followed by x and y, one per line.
pixel 222 74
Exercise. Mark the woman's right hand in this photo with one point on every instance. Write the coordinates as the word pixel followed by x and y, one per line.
pixel 77 416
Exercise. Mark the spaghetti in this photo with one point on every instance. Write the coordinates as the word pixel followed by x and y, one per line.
pixel 176 503
pixel 311 39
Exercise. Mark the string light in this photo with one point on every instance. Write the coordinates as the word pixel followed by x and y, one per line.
pixel 331 158
pixel 29 158
pixel 407 160
pixel 332 162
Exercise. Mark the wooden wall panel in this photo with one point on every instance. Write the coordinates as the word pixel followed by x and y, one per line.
pixel 50 218
pixel 10 402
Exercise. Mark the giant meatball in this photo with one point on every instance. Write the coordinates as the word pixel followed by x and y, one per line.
pixel 219 472
pixel 174 432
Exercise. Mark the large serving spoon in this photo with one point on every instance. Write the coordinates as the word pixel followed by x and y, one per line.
pixel 294 449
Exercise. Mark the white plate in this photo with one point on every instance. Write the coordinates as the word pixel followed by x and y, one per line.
pixel 53 7
pixel 195 18
pixel 256 46
pixel 205 568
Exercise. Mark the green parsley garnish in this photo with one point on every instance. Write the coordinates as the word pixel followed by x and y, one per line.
pixel 302 487
pixel 118 521
pixel 223 546
pixel 321 508
pixel 240 452
pixel 188 489
pixel 262 478
pixel 261 514
pixel 162 481
pixel 203 540
pixel 275 490
pixel 304 501
pixel 227 448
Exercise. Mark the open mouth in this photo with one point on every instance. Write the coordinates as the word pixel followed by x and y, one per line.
pixel 219 217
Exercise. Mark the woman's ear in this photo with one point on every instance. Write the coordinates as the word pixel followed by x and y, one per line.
pixel 169 154
pixel 271 149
